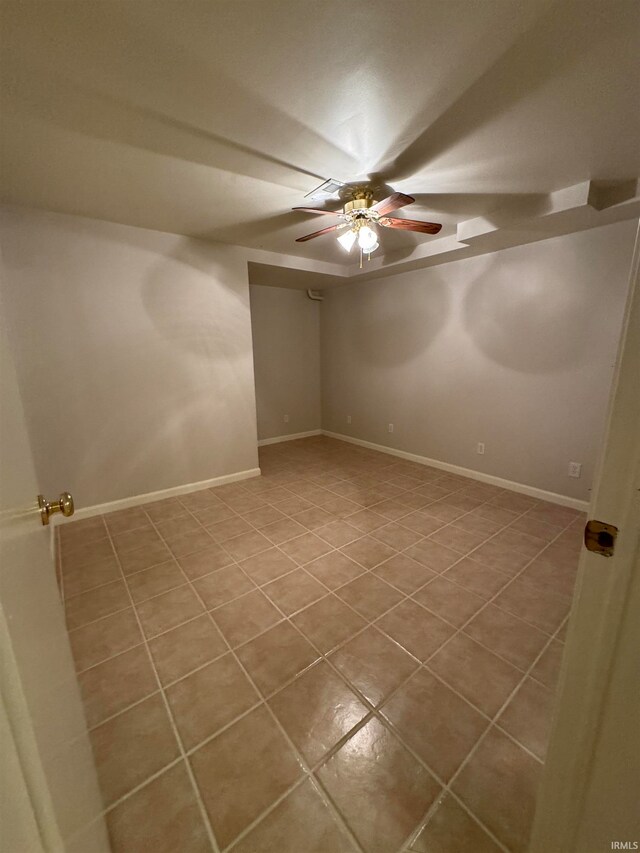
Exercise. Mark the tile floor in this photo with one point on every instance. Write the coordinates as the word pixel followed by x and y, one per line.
pixel 349 653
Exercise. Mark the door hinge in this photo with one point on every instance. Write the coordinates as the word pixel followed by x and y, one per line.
pixel 600 537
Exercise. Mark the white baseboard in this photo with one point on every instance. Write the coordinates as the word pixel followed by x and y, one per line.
pixel 521 488
pixel 279 438
pixel 137 500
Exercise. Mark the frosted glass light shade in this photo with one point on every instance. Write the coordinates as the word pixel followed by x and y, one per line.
pixel 367 239
pixel 347 240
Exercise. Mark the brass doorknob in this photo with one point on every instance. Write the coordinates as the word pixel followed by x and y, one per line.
pixel 47 508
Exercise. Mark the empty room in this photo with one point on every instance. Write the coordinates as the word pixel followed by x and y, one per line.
pixel 320 426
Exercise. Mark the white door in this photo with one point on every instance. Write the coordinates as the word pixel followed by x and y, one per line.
pixel 589 801
pixel 49 796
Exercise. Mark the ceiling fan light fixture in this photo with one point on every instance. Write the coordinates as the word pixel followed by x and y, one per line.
pixel 347 240
pixel 367 239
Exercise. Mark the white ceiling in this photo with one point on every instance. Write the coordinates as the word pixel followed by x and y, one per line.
pixel 213 118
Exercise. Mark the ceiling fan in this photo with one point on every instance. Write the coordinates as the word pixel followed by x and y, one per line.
pixel 361 215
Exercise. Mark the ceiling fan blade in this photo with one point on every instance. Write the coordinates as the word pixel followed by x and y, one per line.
pixel 393 202
pixel 318 233
pixel 317 210
pixel 410 225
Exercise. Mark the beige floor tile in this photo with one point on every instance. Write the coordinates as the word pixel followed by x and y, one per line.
pixel 114 684
pixel 267 566
pixel 404 573
pixel 188 543
pixel 145 557
pixel 518 541
pixel 88 554
pixel 214 514
pixel 444 510
pixel 124 520
pixel 451 829
pixel 209 699
pixel 369 595
pixel 440 726
pixel 141 537
pixel 168 610
pixel 507 636
pixel 281 531
pixel 204 562
pixel 369 552
pixel 477 524
pixel 367 520
pixel 449 601
pixel 334 569
pixel 476 577
pixel 242 771
pixel 243 618
pixel 544 609
pixel 74 533
pixel 133 746
pixel 104 638
pixel 396 536
pixel 83 578
pixel 262 517
pixel 247 545
pixel 433 555
pixel 500 557
pixel 374 664
pixel 317 710
pixel 292 505
pixel 276 656
pixel 223 585
pixel 294 591
pixel 314 518
pixel 229 528
pixel 328 622
pixel 480 676
pixel 458 539
pixel 379 787
pixel 528 716
pixel 392 509
pixel 402 529
pixel 163 510
pixel 182 649
pixel 301 822
pixel 417 630
pixel 164 816
pixel 547 667
pixel 305 548
pixel 339 533
pixel 154 581
pixel 496 514
pixel 177 526
pixel 499 785
pixel 543 574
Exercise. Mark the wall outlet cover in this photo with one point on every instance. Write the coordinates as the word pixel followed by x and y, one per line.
pixel 575 469
pixel 390 427
pixel 480 448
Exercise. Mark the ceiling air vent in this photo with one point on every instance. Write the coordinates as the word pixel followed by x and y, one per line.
pixel 329 188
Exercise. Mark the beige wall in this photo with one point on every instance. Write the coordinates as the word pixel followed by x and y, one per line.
pixel 133 351
pixel 514 349
pixel 286 350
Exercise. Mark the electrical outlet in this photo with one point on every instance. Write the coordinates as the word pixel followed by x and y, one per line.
pixel 575 469
pixel 480 448
pixel 286 419
pixel 390 427
pixel 348 419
